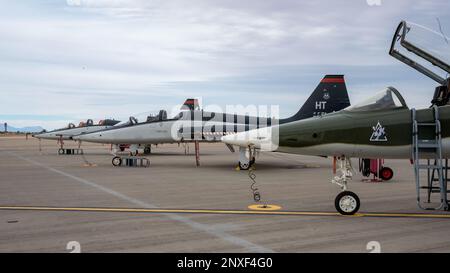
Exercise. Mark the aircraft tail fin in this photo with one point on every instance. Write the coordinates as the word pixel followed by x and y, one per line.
pixel 190 104
pixel 329 96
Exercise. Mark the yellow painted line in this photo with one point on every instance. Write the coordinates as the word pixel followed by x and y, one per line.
pixel 235 212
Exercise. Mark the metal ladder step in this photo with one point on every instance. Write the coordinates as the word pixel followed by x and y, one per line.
pixel 424 166
pixel 431 149
pixel 426 124
pixel 427 146
pixel 437 180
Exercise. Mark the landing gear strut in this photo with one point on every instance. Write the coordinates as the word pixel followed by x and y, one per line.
pixel 134 150
pixel 60 141
pixel 346 202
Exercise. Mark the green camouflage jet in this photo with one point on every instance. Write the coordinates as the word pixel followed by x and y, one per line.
pixel 380 127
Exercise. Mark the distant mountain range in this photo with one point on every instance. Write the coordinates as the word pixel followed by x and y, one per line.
pixel 29 129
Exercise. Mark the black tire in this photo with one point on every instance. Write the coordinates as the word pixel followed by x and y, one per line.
pixel 244 166
pixel 61 151
pixel 122 149
pixel 347 203
pixel 147 150
pixel 386 173
pixel 116 161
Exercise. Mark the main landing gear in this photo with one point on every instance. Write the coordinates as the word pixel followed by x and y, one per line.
pixel 346 202
pixel 246 158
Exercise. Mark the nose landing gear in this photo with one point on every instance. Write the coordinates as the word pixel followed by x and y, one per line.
pixel 117 161
pixel 246 158
pixel 346 202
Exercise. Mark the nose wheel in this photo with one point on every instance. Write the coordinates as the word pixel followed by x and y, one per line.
pixel 246 165
pixel 347 203
pixel 116 161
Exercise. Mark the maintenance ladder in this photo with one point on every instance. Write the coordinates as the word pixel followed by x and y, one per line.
pixel 427 143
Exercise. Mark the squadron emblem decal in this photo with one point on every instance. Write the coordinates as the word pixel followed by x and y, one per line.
pixel 378 133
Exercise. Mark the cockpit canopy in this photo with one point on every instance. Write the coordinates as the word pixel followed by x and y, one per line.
pixel 108 122
pixel 144 118
pixel 388 98
pixel 424 49
pixel 160 117
pixel 89 122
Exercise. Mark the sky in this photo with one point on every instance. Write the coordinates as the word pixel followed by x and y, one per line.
pixel 64 61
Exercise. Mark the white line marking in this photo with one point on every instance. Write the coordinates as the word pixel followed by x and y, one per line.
pixel 212 230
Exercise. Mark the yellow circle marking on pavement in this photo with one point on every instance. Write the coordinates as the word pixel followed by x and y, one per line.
pixel 264 207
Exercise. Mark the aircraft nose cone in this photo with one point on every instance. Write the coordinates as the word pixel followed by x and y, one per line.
pixel 239 139
pixel 265 139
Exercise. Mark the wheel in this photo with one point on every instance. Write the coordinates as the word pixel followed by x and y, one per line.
pixel 347 203
pixel 116 161
pixel 244 166
pixel 386 173
pixel 147 150
pixel 122 149
pixel 61 151
pixel 256 196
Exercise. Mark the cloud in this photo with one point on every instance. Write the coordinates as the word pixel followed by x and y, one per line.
pixel 97 58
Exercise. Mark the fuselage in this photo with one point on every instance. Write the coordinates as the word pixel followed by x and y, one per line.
pixel 68 133
pixel 353 134
pixel 192 126
pixel 198 125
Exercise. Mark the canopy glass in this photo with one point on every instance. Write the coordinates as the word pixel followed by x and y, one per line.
pixel 388 98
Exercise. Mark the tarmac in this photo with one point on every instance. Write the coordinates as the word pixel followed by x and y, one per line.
pixel 48 201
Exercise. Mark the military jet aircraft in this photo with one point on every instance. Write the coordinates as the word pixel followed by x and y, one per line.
pixel 71 130
pixel 193 125
pixel 380 127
